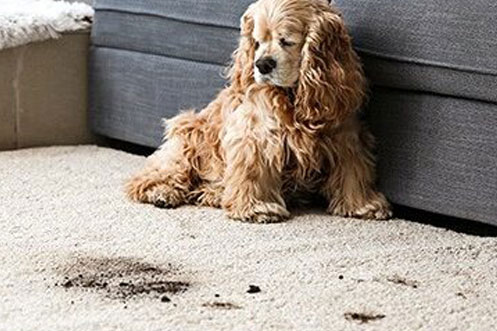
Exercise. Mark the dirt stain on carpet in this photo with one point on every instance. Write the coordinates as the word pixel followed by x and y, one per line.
pixel 363 318
pixel 121 278
pixel 402 281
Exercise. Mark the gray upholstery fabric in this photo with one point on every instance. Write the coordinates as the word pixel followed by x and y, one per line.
pixel 421 77
pixel 437 153
pixel 457 34
pixel 131 92
pixel 211 12
pixel 440 46
pixel 159 35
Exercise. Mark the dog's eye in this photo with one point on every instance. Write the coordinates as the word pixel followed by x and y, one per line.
pixel 257 45
pixel 286 43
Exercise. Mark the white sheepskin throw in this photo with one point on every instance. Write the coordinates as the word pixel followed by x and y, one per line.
pixel 25 21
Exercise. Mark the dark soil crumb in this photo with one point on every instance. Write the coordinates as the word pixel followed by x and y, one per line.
pixel 217 295
pixel 402 281
pixel 68 284
pixel 221 305
pixel 121 278
pixel 165 299
pixel 253 289
pixel 340 277
pixel 362 317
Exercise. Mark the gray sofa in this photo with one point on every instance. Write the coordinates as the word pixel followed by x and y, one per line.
pixel 431 64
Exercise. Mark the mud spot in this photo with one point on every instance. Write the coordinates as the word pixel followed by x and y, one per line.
pixel 253 289
pixel 121 278
pixel 363 318
pixel 402 281
pixel 221 305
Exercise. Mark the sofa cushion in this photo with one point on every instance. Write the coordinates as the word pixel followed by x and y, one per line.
pixel 204 31
pixel 164 36
pixel 455 34
pixel 439 80
pixel 130 92
pixel 457 37
pixel 207 12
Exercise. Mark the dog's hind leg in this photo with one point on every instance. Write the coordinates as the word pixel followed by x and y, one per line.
pixel 166 179
pixel 350 186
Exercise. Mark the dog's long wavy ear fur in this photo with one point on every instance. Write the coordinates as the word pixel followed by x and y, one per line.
pixel 331 84
pixel 241 73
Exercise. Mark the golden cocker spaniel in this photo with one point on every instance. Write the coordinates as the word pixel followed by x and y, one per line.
pixel 285 127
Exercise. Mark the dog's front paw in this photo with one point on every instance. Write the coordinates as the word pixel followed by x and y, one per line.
pixel 160 194
pixel 262 212
pixel 164 196
pixel 375 208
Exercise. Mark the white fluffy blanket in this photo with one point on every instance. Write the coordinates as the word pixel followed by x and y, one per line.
pixel 25 21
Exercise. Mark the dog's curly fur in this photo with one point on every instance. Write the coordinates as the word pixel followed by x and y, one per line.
pixel 258 144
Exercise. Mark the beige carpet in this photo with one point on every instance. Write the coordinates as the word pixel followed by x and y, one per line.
pixel 76 255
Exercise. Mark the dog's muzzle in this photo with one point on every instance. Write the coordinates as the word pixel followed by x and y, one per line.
pixel 266 65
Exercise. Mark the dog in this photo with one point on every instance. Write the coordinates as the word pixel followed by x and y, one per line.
pixel 286 126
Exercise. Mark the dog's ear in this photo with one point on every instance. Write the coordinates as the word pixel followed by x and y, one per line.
pixel 241 72
pixel 331 84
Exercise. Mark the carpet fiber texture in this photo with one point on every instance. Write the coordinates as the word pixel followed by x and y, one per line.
pixel 76 255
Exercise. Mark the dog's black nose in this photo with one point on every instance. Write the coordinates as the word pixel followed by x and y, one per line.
pixel 266 65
